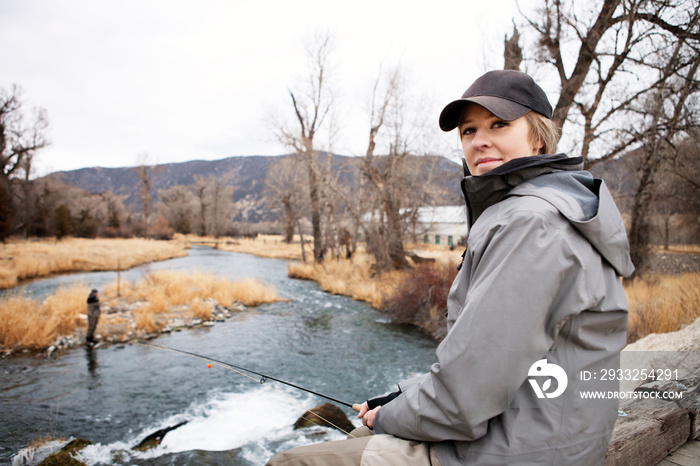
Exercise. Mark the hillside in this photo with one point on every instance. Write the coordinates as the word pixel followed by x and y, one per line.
pixel 249 173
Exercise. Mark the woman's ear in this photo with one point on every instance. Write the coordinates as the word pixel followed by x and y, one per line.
pixel 538 147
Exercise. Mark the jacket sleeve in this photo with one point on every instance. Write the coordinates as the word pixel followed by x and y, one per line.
pixel 522 270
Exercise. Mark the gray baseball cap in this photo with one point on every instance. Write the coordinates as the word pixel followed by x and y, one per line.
pixel 508 94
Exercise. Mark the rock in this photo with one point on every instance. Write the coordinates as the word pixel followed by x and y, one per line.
pixel 155 438
pixel 677 351
pixel 238 306
pixel 327 415
pixel 194 322
pixel 64 457
pixel 177 323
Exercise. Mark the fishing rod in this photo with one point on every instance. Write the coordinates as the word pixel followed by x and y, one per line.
pixel 263 379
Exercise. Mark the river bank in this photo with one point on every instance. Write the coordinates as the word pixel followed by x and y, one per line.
pixel 22 259
pixel 161 302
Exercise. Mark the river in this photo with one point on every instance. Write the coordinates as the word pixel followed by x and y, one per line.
pixel 116 395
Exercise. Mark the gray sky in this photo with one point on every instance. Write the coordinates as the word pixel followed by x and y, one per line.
pixel 185 80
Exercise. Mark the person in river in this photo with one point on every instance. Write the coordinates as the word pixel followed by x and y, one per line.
pixel 93 313
pixel 537 301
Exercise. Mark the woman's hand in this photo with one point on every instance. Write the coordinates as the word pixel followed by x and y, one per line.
pixel 367 415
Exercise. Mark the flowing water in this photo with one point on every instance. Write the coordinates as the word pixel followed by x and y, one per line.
pixel 116 395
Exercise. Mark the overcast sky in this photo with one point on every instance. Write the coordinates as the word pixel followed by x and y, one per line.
pixel 186 80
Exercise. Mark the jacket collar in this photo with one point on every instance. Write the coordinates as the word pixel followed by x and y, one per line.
pixel 483 191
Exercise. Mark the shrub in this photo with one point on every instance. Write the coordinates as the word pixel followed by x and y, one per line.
pixel 29 324
pixel 200 309
pixel 420 299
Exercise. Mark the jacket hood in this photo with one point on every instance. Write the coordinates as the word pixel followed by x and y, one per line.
pixel 583 200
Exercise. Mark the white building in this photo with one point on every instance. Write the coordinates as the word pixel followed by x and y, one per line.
pixel 446 225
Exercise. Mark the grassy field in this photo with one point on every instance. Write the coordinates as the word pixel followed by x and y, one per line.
pixel 24 259
pixel 148 306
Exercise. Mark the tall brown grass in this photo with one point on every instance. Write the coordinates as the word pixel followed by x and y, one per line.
pixel 163 289
pixel 200 310
pixel 23 259
pixel 29 324
pixel 155 300
pixel 354 278
pixel 263 245
pixel 678 249
pixel 662 304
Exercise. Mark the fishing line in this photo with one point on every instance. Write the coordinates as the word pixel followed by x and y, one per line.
pixel 263 379
pixel 221 370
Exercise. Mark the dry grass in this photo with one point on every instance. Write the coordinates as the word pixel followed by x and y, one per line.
pixel 25 323
pixel 441 253
pixel 149 305
pixel 353 278
pixel 249 291
pixel 272 246
pixel 22 259
pixel 164 289
pixel 662 304
pixel 678 249
pixel 146 322
pixel 200 310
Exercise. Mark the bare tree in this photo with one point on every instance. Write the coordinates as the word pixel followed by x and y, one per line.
pixel 214 196
pixel 221 192
pixel 389 176
pixel 201 188
pixel 632 87
pixel 284 185
pixel 22 135
pixel 145 173
pixel 178 205
pixel 311 105
pixel 115 213
pixel 668 122
pixel 602 53
pixel 512 53
pixel 20 139
pixel 683 173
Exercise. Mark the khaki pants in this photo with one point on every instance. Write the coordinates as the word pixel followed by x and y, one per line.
pixel 363 450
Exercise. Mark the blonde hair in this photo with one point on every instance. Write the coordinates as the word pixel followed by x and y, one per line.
pixel 544 131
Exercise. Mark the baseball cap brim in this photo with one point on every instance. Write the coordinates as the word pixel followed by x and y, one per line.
pixel 504 109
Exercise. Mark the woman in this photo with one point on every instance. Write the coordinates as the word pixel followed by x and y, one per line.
pixel 537 300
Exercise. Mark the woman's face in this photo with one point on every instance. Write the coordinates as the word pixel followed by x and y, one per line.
pixel 489 142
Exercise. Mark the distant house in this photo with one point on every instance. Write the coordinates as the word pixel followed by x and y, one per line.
pixel 441 225
pixel 446 225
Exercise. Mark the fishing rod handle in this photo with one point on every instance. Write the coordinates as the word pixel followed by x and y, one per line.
pixel 357 407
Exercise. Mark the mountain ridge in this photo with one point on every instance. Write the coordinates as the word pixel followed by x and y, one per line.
pixel 249 174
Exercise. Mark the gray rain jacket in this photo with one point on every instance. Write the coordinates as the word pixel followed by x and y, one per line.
pixel 539 280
